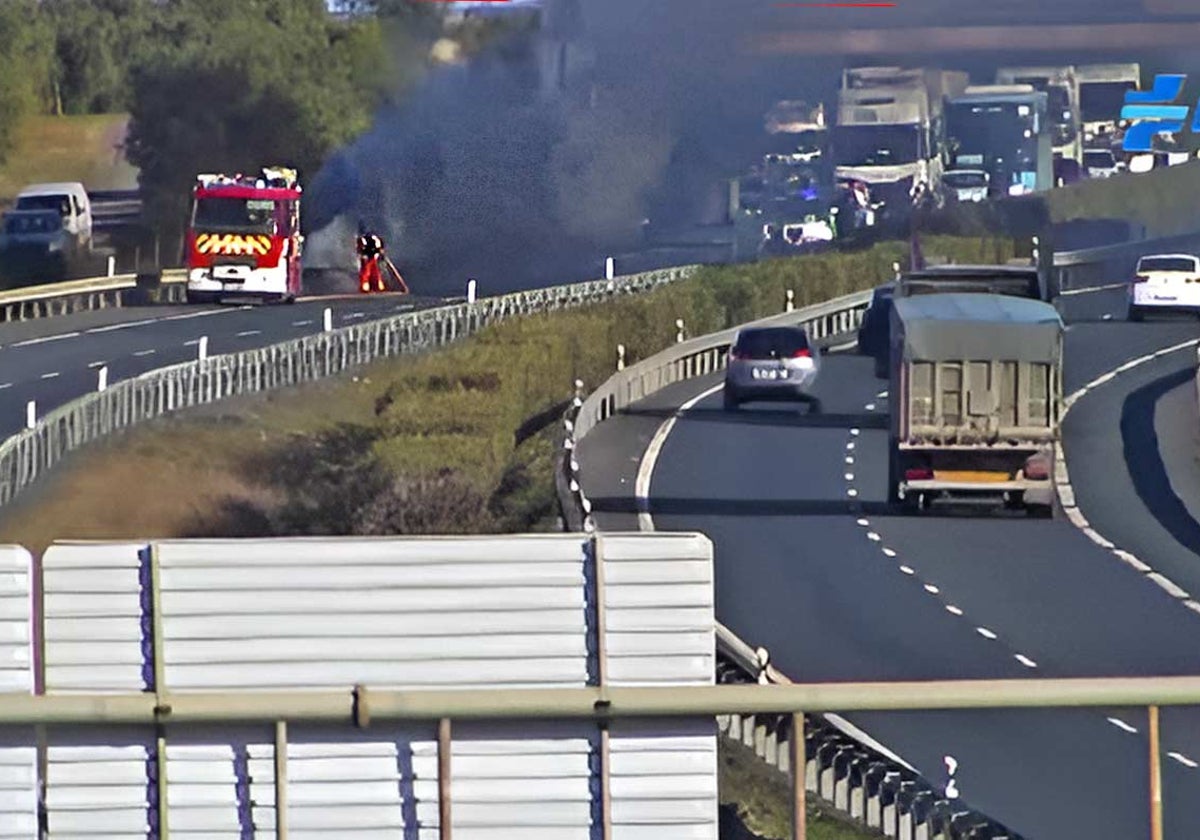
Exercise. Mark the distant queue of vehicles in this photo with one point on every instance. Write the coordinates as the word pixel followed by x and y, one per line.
pixel 902 137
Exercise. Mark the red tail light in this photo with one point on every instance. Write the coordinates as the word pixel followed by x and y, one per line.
pixel 802 354
pixel 918 474
pixel 1037 467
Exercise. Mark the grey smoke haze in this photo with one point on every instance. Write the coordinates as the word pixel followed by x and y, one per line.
pixel 470 178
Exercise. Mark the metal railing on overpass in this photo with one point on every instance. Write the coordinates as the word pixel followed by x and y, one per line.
pixel 899 813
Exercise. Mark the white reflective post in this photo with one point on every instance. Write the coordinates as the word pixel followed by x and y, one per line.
pixel 203 348
pixel 608 268
pixel 102 382
pixel 31 415
pixel 471 287
pixel 112 266
pixel 328 320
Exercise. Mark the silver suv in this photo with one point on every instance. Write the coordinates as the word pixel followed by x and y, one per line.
pixel 771 363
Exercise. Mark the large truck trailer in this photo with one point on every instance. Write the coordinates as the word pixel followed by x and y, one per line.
pixel 975 394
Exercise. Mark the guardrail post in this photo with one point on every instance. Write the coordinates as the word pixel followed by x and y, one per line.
pixel 796 762
pixel 281 780
pixel 790 303
pixel 443 758
pixel 102 382
pixel 1156 816
pixel 678 330
pixel 112 266
pixel 620 357
pixel 609 270
pixel 328 319
pixel 30 414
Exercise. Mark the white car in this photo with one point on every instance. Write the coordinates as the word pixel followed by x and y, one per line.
pixel 1165 283
pixel 967 184
pixel 1101 163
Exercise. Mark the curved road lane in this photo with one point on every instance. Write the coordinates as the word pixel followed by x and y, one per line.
pixel 837 589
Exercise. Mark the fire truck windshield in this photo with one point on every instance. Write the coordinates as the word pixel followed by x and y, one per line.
pixel 234 214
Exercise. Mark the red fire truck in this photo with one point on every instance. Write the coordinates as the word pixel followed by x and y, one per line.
pixel 243 237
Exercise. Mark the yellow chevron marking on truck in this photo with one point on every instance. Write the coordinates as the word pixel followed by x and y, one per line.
pixel 232 244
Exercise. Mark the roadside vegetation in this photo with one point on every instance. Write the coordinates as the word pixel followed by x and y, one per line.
pixel 210 85
pixel 71 148
pixel 456 441
pixel 1162 199
pixel 761 798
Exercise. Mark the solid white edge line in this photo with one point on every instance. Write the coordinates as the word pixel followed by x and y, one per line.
pixel 204 313
pixel 641 485
pixel 122 326
pixel 32 341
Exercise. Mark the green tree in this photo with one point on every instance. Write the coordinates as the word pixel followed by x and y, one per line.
pixel 96 43
pixel 25 66
pixel 231 85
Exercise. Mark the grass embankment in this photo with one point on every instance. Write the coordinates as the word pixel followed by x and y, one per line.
pixel 77 148
pixel 425 444
pixel 1161 199
pixel 761 797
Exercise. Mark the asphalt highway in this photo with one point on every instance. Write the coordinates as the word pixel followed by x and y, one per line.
pixel 55 360
pixel 812 566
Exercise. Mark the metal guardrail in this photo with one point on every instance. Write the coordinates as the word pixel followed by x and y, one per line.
pixel 72 296
pixel 28 454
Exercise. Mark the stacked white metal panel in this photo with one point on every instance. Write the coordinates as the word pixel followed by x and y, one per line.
pixel 391 613
pixel 18 755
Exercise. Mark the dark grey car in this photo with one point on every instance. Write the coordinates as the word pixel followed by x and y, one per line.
pixel 771 363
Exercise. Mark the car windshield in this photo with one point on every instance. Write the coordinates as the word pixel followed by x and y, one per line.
pixel 58 203
pixel 1101 101
pixel 234 214
pixel 876 145
pixel 963 180
pixel 1098 160
pixel 771 343
pixel 1166 264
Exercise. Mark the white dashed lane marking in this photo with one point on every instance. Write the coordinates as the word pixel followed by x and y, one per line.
pixel 301 323
pixel 1025 660
pixel 50 375
pixel 1183 759
pixel 145 352
pixel 6 385
pixel 986 633
pixel 100 363
pixel 245 333
pixel 1120 724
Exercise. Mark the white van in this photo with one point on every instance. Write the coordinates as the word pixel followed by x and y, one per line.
pixel 1165 283
pixel 70 199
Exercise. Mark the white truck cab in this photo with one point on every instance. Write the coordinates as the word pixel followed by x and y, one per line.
pixel 70 200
